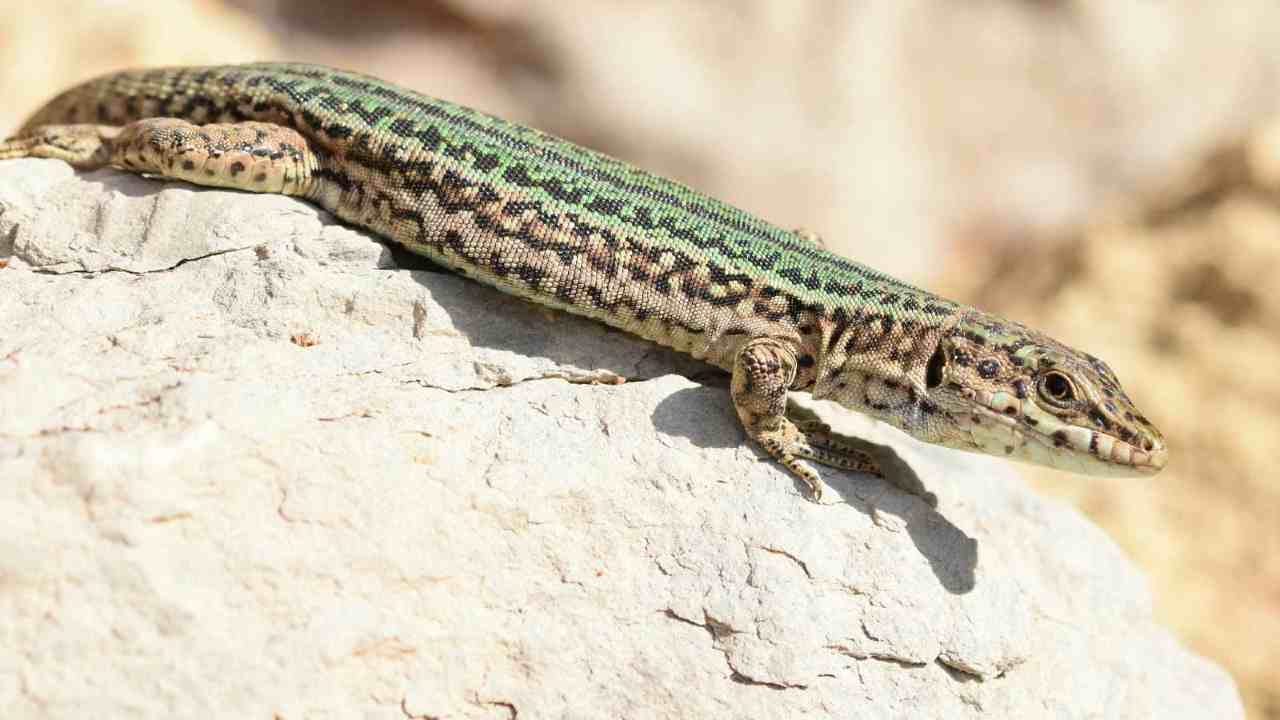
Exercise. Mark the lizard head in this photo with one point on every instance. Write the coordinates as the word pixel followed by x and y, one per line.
pixel 1008 390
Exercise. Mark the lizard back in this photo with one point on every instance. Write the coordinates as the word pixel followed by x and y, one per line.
pixel 546 219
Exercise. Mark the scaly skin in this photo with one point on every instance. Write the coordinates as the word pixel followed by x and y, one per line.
pixel 570 228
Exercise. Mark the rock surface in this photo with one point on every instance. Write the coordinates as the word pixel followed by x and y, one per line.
pixel 249 465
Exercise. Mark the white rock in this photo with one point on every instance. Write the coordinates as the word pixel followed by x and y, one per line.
pixel 249 466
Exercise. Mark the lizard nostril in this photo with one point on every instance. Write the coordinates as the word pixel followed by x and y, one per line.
pixel 1148 444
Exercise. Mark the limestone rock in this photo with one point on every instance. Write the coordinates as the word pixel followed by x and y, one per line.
pixel 250 465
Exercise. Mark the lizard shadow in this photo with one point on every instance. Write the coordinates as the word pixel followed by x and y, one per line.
pixel 703 414
pixel 706 418
pixel 513 325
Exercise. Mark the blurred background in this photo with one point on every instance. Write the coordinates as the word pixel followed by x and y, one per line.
pixel 1108 171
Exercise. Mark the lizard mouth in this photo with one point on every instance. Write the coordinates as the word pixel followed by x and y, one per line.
pixel 1099 453
pixel 1046 440
pixel 1147 460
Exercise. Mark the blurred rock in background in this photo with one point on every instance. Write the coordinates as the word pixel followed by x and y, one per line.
pixel 1179 289
pixel 1038 157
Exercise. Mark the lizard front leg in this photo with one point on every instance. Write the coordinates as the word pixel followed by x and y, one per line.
pixel 763 372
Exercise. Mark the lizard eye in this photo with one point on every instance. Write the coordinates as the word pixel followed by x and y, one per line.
pixel 1057 388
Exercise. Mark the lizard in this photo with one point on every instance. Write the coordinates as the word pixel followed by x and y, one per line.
pixel 567 227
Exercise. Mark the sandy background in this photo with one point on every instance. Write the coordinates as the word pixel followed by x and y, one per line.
pixel 1102 170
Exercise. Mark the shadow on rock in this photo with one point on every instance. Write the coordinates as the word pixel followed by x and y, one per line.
pixel 705 416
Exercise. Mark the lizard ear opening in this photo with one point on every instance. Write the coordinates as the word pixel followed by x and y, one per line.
pixel 933 371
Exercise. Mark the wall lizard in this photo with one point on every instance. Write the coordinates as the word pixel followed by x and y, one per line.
pixel 567 227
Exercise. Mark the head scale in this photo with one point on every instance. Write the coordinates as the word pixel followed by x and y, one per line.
pixel 1007 390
